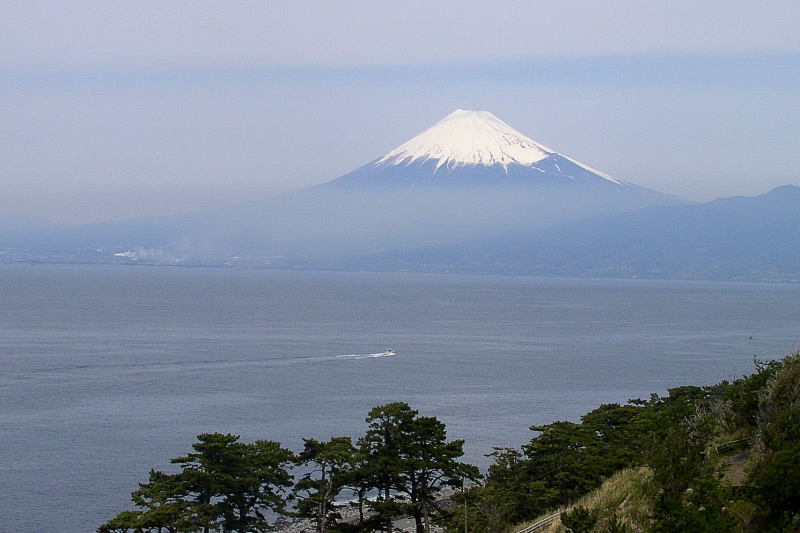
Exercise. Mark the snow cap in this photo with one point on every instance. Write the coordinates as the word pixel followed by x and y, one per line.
pixel 467 137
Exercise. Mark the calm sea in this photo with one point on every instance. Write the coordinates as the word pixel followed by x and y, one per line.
pixel 106 372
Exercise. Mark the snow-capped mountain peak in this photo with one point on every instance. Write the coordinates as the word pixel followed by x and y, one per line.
pixel 467 137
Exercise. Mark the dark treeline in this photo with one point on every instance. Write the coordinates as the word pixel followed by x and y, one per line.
pixel 688 439
pixel 404 460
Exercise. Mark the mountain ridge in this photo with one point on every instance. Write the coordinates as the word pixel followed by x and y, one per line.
pixel 746 238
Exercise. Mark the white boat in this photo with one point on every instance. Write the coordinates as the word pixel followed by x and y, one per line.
pixel 388 351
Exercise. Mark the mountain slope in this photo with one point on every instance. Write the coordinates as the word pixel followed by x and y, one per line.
pixel 731 238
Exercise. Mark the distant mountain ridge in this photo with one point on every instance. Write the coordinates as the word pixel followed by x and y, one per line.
pixel 470 175
pixel 737 238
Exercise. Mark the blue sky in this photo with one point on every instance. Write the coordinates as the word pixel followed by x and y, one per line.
pixel 116 110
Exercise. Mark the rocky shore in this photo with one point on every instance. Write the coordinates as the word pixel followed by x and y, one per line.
pixel 349 514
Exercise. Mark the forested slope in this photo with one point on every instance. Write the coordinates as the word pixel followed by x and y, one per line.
pixel 717 458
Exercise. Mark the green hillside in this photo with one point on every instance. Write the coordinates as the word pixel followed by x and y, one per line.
pixel 705 459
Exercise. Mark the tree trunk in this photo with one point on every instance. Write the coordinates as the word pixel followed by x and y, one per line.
pixel 243 514
pixel 420 527
pixel 360 512
pixel 205 500
pixel 416 509
pixel 389 524
pixel 320 516
pixel 319 512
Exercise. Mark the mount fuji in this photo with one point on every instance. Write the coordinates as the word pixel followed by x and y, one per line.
pixel 470 175
pixel 476 149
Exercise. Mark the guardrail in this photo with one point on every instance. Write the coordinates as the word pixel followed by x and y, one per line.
pixel 725 446
pixel 541 523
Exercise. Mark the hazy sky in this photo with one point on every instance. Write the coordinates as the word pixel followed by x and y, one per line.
pixel 122 109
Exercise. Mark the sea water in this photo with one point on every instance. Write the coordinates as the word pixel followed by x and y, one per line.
pixel 108 371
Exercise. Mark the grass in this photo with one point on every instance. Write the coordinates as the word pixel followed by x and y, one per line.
pixel 628 494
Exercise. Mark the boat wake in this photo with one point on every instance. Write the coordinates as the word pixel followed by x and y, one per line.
pixel 365 355
pixel 209 363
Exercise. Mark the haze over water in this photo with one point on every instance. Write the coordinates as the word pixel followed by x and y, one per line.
pixel 109 371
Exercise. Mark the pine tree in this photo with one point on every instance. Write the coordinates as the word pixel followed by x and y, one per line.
pixel 331 463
